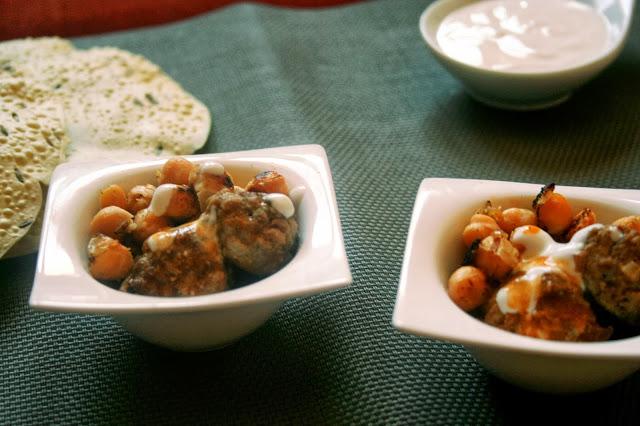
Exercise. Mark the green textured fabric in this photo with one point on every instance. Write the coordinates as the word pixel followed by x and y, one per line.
pixel 359 81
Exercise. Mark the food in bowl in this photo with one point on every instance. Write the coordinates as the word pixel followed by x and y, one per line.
pixel 193 233
pixel 548 273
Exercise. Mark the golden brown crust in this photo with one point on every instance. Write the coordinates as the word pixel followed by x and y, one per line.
pixel 561 313
pixel 254 235
pixel 187 263
pixel 610 268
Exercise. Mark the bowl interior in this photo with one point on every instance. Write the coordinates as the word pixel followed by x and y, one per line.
pixel 450 249
pixel 87 205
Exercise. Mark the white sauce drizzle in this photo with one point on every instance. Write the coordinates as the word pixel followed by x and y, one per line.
pixel 296 194
pixel 557 258
pixel 161 198
pixel 541 244
pixel 159 241
pixel 212 168
pixel 282 203
pixel 616 233
pixel 210 216
pixel 524 35
pixel 502 300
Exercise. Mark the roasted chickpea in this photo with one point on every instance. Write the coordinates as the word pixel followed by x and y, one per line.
pixel 113 195
pixel 553 211
pixel 175 170
pixel 584 218
pixel 480 226
pixel 183 204
pixel 207 180
pixel 108 259
pixel 496 256
pixel 269 182
pixel 111 221
pixel 514 217
pixel 492 211
pixel 140 197
pixel 628 223
pixel 147 224
pixel 468 288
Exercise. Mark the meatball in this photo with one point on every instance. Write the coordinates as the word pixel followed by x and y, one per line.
pixel 610 267
pixel 182 261
pixel 561 312
pixel 255 236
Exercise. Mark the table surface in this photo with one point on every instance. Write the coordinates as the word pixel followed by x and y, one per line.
pixel 358 80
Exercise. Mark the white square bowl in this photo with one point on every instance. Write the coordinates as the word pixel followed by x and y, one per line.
pixel 63 284
pixel 435 249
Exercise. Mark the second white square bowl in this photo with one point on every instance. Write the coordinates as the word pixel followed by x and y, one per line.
pixel 435 249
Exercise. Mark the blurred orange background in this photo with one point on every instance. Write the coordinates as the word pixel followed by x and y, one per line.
pixel 22 18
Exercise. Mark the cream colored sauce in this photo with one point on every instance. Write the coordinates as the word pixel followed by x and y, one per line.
pixel 524 35
pixel 296 194
pixel 159 241
pixel 541 244
pixel 213 168
pixel 541 255
pixel 616 233
pixel 210 216
pixel 282 203
pixel 161 198
pixel 521 294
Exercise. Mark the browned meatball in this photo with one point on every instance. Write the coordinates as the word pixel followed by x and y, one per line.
pixel 561 313
pixel 610 266
pixel 254 235
pixel 182 261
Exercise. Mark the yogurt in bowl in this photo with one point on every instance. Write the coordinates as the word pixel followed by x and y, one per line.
pixel 525 54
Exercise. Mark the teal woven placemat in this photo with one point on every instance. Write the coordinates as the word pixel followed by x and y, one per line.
pixel 359 81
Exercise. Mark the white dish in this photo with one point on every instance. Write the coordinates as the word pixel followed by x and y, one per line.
pixel 62 282
pixel 435 249
pixel 527 90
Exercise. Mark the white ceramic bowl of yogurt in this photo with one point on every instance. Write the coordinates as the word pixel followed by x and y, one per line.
pixel 63 283
pixel 525 54
pixel 435 249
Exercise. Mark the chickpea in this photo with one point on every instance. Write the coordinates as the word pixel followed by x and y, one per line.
pixel 480 226
pixel 496 256
pixel 553 211
pixel 111 221
pixel 490 210
pixel 175 170
pixel 113 195
pixel 468 288
pixel 140 197
pixel 628 223
pixel 269 182
pixel 108 259
pixel 207 184
pixel 147 224
pixel 514 217
pixel 583 219
pixel 183 205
